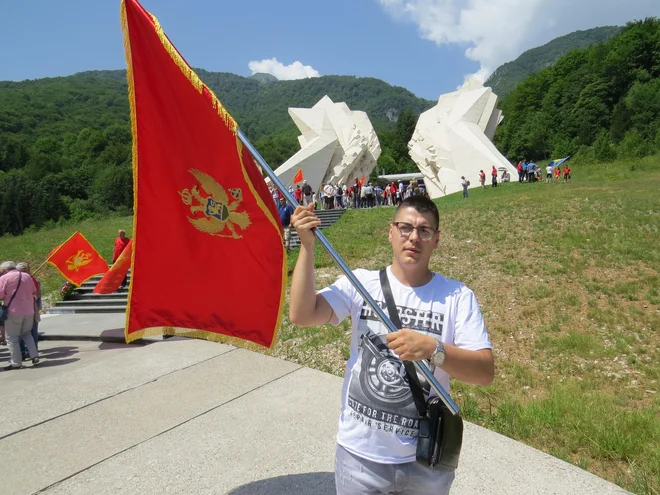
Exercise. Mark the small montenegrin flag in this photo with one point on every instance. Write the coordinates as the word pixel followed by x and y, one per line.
pixel 115 276
pixel 298 177
pixel 208 256
pixel 364 177
pixel 77 260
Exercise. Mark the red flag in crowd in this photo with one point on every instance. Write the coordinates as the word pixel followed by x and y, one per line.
pixel 208 254
pixel 298 178
pixel 77 260
pixel 362 180
pixel 115 276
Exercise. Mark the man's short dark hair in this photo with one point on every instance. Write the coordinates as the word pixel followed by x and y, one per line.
pixel 421 204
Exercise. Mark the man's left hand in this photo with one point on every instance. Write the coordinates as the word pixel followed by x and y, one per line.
pixel 410 345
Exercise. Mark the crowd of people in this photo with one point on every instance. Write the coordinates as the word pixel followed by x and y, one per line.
pixel 335 196
pixel 531 172
pixel 20 293
pixel 527 172
pixel 356 195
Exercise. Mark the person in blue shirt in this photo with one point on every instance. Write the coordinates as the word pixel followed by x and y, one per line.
pixel 286 211
pixel 531 172
pixel 523 177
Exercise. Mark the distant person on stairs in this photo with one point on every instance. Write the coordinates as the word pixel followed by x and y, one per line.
pixel 286 211
pixel 120 244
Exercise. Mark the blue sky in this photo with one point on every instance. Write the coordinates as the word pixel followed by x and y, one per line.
pixel 427 46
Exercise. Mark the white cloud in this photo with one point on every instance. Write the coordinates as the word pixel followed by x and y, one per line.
pixel 272 66
pixel 498 31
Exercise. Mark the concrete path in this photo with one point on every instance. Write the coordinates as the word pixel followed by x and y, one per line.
pixel 194 417
pixel 103 327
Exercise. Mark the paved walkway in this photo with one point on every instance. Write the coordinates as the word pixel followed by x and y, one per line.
pixel 194 417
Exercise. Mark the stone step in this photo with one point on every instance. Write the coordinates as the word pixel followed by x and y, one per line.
pixel 93 281
pixel 59 310
pixel 88 291
pixel 86 302
pixel 89 296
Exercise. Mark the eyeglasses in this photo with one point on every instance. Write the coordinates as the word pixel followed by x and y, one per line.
pixel 405 229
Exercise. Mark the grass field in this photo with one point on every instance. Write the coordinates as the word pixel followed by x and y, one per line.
pixel 568 277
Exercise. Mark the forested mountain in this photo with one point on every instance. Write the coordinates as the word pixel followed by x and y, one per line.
pixel 65 142
pixel 507 76
pixel 602 101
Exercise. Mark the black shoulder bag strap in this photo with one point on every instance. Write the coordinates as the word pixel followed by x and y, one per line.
pixel 411 374
pixel 440 433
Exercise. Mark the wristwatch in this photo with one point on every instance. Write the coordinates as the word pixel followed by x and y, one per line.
pixel 438 356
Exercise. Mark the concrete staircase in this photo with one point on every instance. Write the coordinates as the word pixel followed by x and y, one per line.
pixel 85 301
pixel 328 217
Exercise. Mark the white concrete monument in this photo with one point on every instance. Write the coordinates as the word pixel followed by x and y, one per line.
pixel 337 145
pixel 454 138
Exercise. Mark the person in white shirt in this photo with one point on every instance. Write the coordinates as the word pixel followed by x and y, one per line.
pixel 378 426
pixel 329 192
pixel 548 173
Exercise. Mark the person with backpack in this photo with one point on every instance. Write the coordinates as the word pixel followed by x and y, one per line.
pixel 307 193
pixel 465 183
pixel 340 197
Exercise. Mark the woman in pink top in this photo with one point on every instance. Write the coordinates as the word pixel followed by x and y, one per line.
pixel 20 300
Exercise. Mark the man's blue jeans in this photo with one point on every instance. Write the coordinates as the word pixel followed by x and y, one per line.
pixel 357 476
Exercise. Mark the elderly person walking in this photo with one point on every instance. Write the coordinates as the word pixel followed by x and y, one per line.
pixel 17 291
pixel 25 268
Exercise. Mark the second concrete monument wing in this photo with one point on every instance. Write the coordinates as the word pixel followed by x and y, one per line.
pixel 454 139
pixel 337 145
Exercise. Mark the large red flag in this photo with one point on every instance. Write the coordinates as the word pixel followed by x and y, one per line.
pixel 207 244
pixel 298 178
pixel 117 273
pixel 77 260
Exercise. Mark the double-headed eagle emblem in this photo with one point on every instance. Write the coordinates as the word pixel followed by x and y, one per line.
pixel 78 260
pixel 218 212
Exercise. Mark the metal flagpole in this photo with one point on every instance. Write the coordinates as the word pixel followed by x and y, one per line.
pixel 420 365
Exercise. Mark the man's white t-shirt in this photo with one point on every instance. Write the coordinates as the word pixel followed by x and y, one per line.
pixel 379 420
pixel 548 169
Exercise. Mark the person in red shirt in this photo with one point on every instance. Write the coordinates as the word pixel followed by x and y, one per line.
pixel 557 174
pixel 567 173
pixel 298 194
pixel 493 174
pixel 120 244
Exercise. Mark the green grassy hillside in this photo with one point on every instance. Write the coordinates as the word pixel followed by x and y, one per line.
pixel 568 277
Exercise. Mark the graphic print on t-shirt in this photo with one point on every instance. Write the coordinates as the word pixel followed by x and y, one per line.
pixel 379 395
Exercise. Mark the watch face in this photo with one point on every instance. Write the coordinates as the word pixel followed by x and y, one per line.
pixel 439 356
